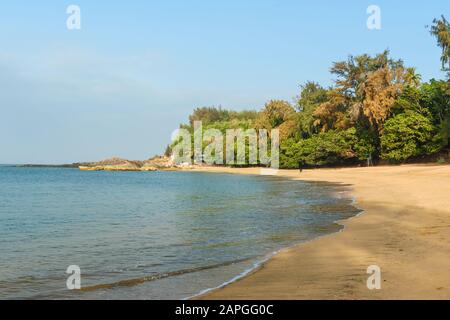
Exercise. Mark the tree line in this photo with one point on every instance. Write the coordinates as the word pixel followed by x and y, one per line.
pixel 377 109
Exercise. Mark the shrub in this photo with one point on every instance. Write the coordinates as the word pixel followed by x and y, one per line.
pixel 332 147
pixel 408 135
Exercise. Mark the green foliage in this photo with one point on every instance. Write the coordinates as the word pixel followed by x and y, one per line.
pixel 411 99
pixel 441 30
pixel 290 153
pixel 168 151
pixel 312 95
pixel 231 124
pixel 328 148
pixel 436 98
pixel 351 74
pixel 377 108
pixel 408 135
pixel 210 115
pixel 366 144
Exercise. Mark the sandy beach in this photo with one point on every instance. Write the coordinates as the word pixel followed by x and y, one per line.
pixel 405 230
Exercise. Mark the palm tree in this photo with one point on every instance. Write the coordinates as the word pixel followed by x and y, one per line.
pixel 412 78
pixel 441 30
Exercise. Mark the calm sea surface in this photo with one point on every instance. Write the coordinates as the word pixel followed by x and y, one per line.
pixel 158 235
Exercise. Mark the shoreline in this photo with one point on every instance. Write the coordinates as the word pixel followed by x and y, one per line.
pixel 260 263
pixel 413 254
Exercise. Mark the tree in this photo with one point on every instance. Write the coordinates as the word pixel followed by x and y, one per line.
pixel 412 78
pixel 408 135
pixel 441 30
pixel 312 95
pixel 290 153
pixel 365 90
pixel 209 115
pixel 332 114
pixel 168 151
pixel 377 95
pixel 278 114
pixel 326 148
pixel 436 99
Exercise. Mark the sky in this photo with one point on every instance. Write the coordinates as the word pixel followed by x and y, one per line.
pixel 121 84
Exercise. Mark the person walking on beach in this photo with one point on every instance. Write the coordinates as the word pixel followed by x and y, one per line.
pixel 300 166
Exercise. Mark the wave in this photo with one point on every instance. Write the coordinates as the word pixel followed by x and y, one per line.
pixel 159 276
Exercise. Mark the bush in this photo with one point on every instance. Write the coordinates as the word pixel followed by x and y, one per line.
pixel 329 148
pixel 408 135
pixel 290 154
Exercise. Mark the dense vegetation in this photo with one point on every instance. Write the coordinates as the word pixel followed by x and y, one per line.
pixel 377 109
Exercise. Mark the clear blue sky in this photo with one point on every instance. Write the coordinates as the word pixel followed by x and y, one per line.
pixel 136 69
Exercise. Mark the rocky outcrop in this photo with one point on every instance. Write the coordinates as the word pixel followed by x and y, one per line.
pixel 159 162
pixel 118 164
pixel 113 164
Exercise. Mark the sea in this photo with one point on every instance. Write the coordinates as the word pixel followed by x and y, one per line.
pixel 150 235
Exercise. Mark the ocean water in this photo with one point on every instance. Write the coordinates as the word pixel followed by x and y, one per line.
pixel 149 235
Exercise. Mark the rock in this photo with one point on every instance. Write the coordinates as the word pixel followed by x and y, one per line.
pixel 113 164
pixel 148 168
pixel 119 164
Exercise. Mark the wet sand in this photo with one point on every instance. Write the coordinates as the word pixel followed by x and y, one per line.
pixel 405 230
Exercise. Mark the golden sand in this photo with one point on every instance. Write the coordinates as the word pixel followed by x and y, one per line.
pixel 405 230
